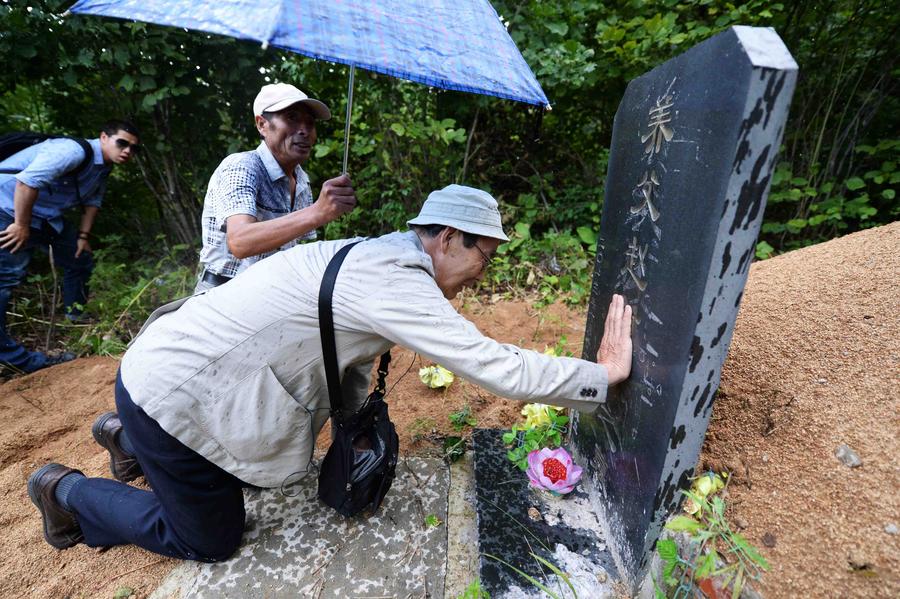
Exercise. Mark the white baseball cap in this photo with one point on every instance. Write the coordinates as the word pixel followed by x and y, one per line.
pixel 278 96
pixel 465 208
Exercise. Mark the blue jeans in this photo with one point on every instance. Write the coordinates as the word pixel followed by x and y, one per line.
pixel 195 510
pixel 13 268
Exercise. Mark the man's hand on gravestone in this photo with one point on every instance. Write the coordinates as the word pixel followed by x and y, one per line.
pixel 615 347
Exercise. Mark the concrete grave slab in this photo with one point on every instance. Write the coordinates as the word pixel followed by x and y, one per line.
pixel 298 547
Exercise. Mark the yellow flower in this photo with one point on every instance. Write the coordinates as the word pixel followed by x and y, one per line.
pixel 707 484
pixel 703 486
pixel 690 506
pixel 537 414
pixel 550 351
pixel 436 376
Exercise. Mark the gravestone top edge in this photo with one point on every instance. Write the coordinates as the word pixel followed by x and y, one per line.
pixel 765 48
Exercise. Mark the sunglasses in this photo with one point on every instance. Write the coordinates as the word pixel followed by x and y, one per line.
pixel 124 144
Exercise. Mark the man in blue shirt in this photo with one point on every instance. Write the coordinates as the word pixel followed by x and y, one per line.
pixel 37 188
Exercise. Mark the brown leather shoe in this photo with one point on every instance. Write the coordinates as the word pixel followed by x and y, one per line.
pixel 106 429
pixel 61 529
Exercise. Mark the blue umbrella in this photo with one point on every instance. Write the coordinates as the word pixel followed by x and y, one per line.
pixel 450 44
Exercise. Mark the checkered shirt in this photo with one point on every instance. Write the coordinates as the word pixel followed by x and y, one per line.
pixel 248 183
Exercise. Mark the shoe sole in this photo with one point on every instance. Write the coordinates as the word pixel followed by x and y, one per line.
pixel 33 483
pixel 96 433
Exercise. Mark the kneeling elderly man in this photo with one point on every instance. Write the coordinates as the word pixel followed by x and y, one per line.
pixel 227 388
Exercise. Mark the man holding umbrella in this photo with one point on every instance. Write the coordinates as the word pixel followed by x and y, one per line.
pixel 260 202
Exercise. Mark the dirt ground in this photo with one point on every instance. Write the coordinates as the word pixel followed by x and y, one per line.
pixel 813 364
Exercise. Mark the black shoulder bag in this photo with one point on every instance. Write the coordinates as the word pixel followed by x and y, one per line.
pixel 360 464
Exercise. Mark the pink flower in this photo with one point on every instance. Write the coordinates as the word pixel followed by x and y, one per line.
pixel 553 470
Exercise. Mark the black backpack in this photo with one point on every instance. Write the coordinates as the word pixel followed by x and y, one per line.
pixel 12 143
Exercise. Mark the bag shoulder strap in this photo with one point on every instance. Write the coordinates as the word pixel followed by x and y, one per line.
pixel 326 333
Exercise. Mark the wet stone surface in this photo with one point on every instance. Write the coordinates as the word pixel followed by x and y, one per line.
pixel 298 547
pixel 515 520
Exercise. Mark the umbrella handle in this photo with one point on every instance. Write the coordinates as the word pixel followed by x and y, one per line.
pixel 347 124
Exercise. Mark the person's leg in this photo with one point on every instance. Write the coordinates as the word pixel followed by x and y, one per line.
pixel 13 267
pixel 76 271
pixel 195 511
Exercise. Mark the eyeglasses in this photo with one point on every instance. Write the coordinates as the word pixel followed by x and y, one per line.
pixel 124 144
pixel 485 261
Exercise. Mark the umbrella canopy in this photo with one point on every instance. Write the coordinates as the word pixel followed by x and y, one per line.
pixel 451 44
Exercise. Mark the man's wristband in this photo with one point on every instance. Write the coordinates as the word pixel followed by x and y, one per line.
pixel 84 235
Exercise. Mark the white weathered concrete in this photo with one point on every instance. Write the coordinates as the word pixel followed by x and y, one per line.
pixel 297 547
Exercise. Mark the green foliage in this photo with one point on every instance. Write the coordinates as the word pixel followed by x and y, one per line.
pixel 714 551
pixel 191 92
pixel 432 521
pixel 560 348
pixel 474 591
pixel 803 211
pixel 420 428
pixel 463 418
pixel 525 439
pixel 125 292
pixel 454 448
pixel 123 593
pixel 556 266
pixel 553 568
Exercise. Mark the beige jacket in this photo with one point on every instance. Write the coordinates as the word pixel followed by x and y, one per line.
pixel 236 373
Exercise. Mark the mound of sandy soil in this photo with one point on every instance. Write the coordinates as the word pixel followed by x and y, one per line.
pixel 813 364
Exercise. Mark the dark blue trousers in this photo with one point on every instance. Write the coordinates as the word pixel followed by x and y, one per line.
pixel 14 267
pixel 195 510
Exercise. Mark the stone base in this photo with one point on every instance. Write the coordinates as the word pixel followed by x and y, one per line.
pixel 516 520
pixel 297 547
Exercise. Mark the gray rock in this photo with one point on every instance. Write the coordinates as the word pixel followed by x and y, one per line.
pixel 847 456
pixel 891 529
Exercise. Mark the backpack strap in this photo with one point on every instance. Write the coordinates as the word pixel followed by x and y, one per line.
pixel 26 140
pixel 88 159
pixel 85 163
pixel 23 141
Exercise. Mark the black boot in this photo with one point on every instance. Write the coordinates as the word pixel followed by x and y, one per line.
pixel 61 529
pixel 106 429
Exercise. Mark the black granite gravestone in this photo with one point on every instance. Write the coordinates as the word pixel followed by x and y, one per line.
pixel 694 145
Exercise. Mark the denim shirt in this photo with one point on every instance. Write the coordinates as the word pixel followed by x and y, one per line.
pixel 42 167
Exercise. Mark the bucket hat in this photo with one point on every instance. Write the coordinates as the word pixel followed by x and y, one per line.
pixel 465 208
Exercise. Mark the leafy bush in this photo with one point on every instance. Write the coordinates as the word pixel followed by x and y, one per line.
pixel 125 292
pixel 803 211
pixel 715 551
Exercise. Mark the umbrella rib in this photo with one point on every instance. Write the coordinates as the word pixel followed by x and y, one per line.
pixel 273 26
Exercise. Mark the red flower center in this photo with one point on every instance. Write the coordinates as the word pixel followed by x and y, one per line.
pixel 554 470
